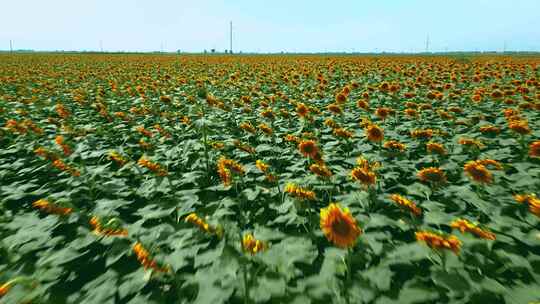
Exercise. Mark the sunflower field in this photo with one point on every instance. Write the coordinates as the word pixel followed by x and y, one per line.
pixel 269 179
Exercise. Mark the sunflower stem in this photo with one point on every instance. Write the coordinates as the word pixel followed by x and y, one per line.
pixel 348 259
pixel 246 285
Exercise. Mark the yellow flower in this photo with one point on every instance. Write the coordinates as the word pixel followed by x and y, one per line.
pixel 343 133
pixel 438 242
pixel 478 172
pixel 334 108
pixel 374 133
pixel 320 170
pixel 154 167
pixel 432 174
pixel 4 288
pixel 520 126
pixel 106 231
pixel 225 167
pixel 261 165
pixel 143 256
pixel 436 148
pixel 531 200
pixel 144 131
pixel 194 219
pixel 302 110
pixel 339 226
pixel 534 149
pixel 489 129
pixel 465 226
pixel 471 142
pixel 119 159
pixel 252 245
pixel 383 112
pixel 308 148
pixel 394 145
pixel 299 192
pixel 404 202
pixel 422 133
pixel 266 129
pixel 364 176
pixel 48 207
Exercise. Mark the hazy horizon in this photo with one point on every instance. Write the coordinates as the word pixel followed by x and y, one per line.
pixel 299 26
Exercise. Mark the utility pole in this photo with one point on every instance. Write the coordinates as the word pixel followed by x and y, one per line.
pixel 230 38
pixel 427 43
pixel 10 46
pixel 504 47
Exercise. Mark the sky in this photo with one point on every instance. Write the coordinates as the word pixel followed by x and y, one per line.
pixel 271 26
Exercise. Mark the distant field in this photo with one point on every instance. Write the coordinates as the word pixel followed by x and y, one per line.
pixel 269 179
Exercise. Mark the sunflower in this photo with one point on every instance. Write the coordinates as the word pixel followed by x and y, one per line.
pixel 291 138
pixel 252 245
pixel 146 260
pixel 438 242
pixel 520 126
pixel 383 112
pixel 341 97
pixel 496 94
pixel 116 157
pixel 248 127
pixel 374 133
pixel 406 203
pixel 329 122
pixel 432 174
pixel 4 288
pixel 534 149
pixel 490 130
pixel 334 108
pixel 266 129
pixel 422 133
pixel 110 230
pixel 343 133
pixel 302 110
pixel 225 167
pixel 469 142
pixel 362 104
pixel 364 176
pixel 152 166
pixel 261 165
pixel 394 145
pixel 299 192
pixel 203 225
pixel 438 148
pixel 531 200
pixel 339 226
pixel 165 99
pixel 268 113
pixel 411 112
pixel 308 148
pixel 465 226
pixel 478 172
pixel 320 170
pixel 48 207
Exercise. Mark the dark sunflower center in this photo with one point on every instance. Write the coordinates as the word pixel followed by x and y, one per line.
pixel 341 227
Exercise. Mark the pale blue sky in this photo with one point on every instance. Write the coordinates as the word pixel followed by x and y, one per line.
pixel 271 26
